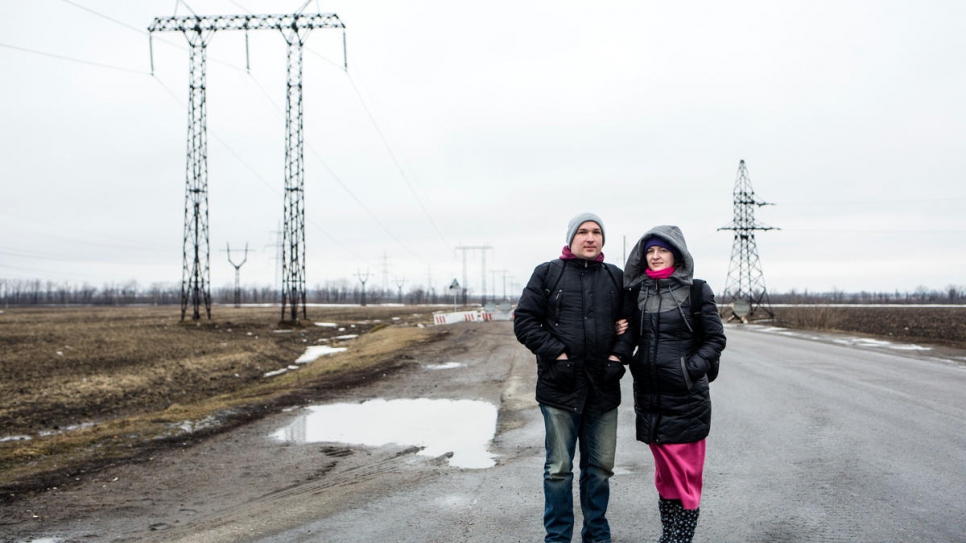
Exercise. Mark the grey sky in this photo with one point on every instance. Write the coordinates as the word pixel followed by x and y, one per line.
pixel 492 123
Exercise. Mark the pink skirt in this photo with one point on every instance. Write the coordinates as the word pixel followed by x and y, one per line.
pixel 678 471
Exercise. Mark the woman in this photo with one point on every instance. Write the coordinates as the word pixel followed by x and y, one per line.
pixel 670 369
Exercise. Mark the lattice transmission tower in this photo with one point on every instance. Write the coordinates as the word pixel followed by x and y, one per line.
pixel 198 29
pixel 483 249
pixel 745 285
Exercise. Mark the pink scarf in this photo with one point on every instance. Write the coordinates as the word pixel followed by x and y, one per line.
pixel 567 255
pixel 662 274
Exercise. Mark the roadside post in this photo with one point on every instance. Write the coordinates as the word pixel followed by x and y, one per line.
pixel 455 287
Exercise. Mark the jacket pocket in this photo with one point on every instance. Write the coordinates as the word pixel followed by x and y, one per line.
pixel 557 373
pixel 613 370
pixel 684 371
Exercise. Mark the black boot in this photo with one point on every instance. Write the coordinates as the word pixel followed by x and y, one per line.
pixel 683 522
pixel 667 508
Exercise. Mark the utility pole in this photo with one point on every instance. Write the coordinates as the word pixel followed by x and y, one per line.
pixel 277 246
pixel 363 281
pixel 399 283
pixel 483 249
pixel 237 273
pixel 745 285
pixel 199 30
pixel 504 272
pixel 385 273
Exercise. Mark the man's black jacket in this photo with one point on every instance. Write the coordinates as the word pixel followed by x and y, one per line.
pixel 574 309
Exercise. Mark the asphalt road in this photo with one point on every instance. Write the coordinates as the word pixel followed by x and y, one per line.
pixel 812 440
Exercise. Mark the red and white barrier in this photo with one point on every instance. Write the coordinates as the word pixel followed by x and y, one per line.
pixel 471 316
pixel 459 316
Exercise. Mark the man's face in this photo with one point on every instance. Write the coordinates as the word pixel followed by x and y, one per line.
pixel 588 241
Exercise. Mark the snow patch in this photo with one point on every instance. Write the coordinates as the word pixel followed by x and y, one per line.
pixel 315 351
pixel 445 366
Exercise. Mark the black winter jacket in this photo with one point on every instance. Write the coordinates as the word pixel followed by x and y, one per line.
pixel 576 315
pixel 672 399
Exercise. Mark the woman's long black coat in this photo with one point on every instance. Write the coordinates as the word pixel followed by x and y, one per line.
pixel 672 399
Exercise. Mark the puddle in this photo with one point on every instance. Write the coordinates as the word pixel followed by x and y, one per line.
pixel 463 427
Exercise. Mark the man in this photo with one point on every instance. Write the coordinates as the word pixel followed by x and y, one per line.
pixel 566 316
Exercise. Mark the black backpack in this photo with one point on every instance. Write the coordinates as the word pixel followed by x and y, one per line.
pixel 697 288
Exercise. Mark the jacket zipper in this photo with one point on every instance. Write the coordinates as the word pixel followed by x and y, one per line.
pixel 556 310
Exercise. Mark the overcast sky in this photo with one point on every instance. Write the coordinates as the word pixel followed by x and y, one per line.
pixel 468 123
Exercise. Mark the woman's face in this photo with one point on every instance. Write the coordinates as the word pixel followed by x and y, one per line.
pixel 659 258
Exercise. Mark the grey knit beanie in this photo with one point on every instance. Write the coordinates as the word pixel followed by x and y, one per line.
pixel 581 219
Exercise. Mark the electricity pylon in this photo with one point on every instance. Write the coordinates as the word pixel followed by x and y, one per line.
pixel 483 249
pixel 363 279
pixel 745 283
pixel 237 272
pixel 198 30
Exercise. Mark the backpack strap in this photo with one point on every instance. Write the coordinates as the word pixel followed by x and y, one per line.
pixel 554 273
pixel 697 292
pixel 697 289
pixel 610 271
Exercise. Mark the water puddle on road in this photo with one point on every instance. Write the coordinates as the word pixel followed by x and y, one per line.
pixel 462 427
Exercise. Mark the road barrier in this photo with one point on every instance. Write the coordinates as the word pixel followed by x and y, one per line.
pixel 488 314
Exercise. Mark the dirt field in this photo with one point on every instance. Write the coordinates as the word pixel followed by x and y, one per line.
pixel 88 387
pixel 83 387
pixel 933 325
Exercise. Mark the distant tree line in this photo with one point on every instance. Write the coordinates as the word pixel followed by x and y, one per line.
pixel 922 295
pixel 21 292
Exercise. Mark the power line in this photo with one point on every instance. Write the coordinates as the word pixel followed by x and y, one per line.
pixel 261 87
pixel 128 243
pixel 903 201
pixel 143 32
pixel 395 161
pixel 339 181
pixel 254 172
pixel 385 143
pixel 71 59
pixel 113 20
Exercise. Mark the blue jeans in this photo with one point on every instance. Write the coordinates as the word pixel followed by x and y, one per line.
pixel 596 432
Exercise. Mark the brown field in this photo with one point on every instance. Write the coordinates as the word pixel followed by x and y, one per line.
pixel 932 325
pixel 138 378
